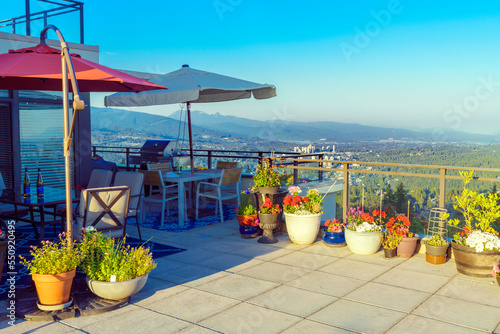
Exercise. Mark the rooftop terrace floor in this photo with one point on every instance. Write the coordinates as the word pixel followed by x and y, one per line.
pixel 226 284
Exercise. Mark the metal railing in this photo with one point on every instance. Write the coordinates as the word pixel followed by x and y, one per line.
pixel 228 154
pixel 62 7
pixel 440 172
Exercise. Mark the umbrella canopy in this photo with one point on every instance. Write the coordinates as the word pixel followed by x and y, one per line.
pixel 39 68
pixel 193 86
pixel 190 85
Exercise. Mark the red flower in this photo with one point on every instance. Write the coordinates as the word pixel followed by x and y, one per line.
pixel 287 200
pixel 305 199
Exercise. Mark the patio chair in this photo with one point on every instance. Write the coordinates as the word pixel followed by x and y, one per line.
pixel 135 181
pixel 228 187
pixel 105 209
pixel 227 164
pixel 154 179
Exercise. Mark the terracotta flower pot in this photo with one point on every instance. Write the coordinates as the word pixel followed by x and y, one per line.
pixel 53 289
pixel 407 246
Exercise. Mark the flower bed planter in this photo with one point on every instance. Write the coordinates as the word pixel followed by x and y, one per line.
pixel 303 230
pixel 363 243
pixel 472 263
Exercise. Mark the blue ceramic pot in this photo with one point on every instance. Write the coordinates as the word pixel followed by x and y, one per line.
pixel 248 232
pixel 334 239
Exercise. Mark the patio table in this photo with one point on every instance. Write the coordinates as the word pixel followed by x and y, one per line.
pixel 41 214
pixel 184 177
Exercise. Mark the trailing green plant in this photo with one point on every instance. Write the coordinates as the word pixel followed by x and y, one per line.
pixel 105 257
pixel 266 175
pixel 437 240
pixel 391 240
pixel 246 207
pixel 52 258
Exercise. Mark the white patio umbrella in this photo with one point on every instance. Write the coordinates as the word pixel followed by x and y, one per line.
pixel 188 85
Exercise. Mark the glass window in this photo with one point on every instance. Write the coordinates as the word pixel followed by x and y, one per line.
pixel 4 93
pixel 41 139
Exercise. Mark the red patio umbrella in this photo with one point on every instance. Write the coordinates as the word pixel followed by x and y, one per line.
pixel 44 68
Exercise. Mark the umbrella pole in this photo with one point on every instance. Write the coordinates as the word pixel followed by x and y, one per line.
pixel 190 137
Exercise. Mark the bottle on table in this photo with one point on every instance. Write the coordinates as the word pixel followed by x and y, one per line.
pixel 26 187
pixel 39 187
pixel 179 168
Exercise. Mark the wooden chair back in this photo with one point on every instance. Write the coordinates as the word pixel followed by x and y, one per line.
pixel 227 164
pixel 163 167
pixel 152 178
pixel 231 176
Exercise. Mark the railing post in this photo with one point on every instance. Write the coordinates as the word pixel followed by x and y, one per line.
pixel 320 165
pixel 209 158
pixel 442 187
pixel 94 151
pixel 261 155
pixel 295 173
pixel 345 194
pixel 127 153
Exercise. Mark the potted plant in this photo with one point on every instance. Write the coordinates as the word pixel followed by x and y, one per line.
pixel 435 249
pixel 400 225
pixel 267 178
pixel 390 243
pixel 496 273
pixel 53 268
pixel 477 247
pixel 246 214
pixel 114 271
pixel 268 216
pixel 363 233
pixel 334 233
pixel 302 215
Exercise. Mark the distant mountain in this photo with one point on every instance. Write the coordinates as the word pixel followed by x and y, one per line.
pixel 213 127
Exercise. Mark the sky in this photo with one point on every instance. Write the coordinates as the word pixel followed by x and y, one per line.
pixel 409 64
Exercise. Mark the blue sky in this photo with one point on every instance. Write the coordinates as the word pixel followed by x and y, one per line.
pixel 385 63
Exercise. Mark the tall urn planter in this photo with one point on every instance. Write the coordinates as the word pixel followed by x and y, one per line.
pixel 303 230
pixel 472 263
pixel 267 222
pixel 363 243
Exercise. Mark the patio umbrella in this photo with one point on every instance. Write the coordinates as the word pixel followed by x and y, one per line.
pixel 45 68
pixel 192 86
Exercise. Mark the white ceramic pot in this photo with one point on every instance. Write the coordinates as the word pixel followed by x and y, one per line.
pixel 303 230
pixel 363 243
pixel 117 290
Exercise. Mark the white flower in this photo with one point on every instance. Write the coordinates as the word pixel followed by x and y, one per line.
pixel 303 212
pixel 482 241
pixel 89 229
pixel 367 227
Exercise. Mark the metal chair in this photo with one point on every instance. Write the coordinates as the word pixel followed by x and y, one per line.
pixel 105 209
pixel 227 188
pixel 154 178
pixel 135 181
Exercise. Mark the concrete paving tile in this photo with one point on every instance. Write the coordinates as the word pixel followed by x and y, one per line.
pixel 193 255
pixel 471 291
pixel 192 305
pixel 154 290
pixel 260 252
pixel 321 248
pixel 195 329
pixel 329 284
pixel 284 242
pixel 477 280
pixel 377 258
pixel 396 298
pixel 138 321
pixel 293 300
pixel 497 330
pixel 358 317
pixel 308 326
pixel 417 263
pixel 416 324
pixel 238 286
pixel 221 245
pixel 412 280
pixel 274 272
pixel 188 274
pixel 355 269
pixel 305 260
pixel 459 312
pixel 43 327
pixel 122 312
pixel 247 318
pixel 226 261
pixel 222 231
pixel 187 240
pixel 164 265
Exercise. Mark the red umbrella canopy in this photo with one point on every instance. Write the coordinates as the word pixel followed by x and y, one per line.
pixel 39 68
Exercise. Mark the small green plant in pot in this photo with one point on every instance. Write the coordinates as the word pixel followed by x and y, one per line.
pixel 108 262
pixel 390 242
pixel 267 178
pixel 436 246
